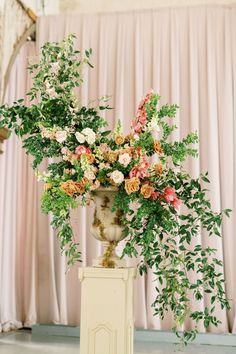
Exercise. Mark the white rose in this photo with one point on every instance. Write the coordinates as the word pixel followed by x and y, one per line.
pixel 91 139
pixel 89 174
pixel 117 177
pixel 80 137
pixel 103 165
pixel 87 131
pixel 90 135
pixel 61 136
pixel 124 159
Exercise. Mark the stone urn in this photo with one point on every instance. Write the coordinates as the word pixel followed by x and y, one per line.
pixel 107 227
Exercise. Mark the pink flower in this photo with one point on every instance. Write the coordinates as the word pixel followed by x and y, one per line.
pixel 155 195
pixel 133 172
pixel 176 203
pixel 136 126
pixel 144 162
pixel 169 194
pixel 142 117
pixel 64 150
pixel 104 147
pixel 139 172
pixel 81 149
pixel 145 99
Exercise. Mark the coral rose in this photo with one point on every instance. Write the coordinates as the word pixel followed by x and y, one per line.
pixel 81 149
pixel 155 195
pixel 169 194
pixel 132 185
pixel 157 147
pixel 176 203
pixel 146 190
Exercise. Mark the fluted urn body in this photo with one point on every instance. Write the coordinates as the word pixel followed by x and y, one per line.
pixel 107 227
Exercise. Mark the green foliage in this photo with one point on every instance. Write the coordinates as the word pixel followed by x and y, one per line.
pixel 59 204
pixel 57 73
pixel 162 236
pixel 166 244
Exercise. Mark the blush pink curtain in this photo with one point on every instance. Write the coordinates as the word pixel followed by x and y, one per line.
pixel 188 55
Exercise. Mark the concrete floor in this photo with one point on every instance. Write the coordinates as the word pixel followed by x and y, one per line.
pixel 24 343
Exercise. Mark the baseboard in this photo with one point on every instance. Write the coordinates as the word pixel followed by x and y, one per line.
pixel 140 335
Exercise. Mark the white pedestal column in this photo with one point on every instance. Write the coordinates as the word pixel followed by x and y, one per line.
pixel 107 320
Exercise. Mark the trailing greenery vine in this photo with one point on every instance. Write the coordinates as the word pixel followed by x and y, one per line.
pixel 164 209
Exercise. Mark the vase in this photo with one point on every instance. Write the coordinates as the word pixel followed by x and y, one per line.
pixel 107 227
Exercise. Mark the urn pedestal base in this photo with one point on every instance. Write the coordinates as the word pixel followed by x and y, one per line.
pixel 107 321
pixel 109 258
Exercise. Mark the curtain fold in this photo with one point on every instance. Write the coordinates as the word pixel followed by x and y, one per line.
pixel 188 55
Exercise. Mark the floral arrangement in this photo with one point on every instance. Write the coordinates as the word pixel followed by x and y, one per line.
pixel 164 209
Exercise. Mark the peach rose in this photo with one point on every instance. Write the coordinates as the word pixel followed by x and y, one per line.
pixel 146 190
pixel 158 168
pixel 157 147
pixel 129 137
pixel 111 156
pixel 119 139
pixel 80 187
pixel 132 185
pixel 69 187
